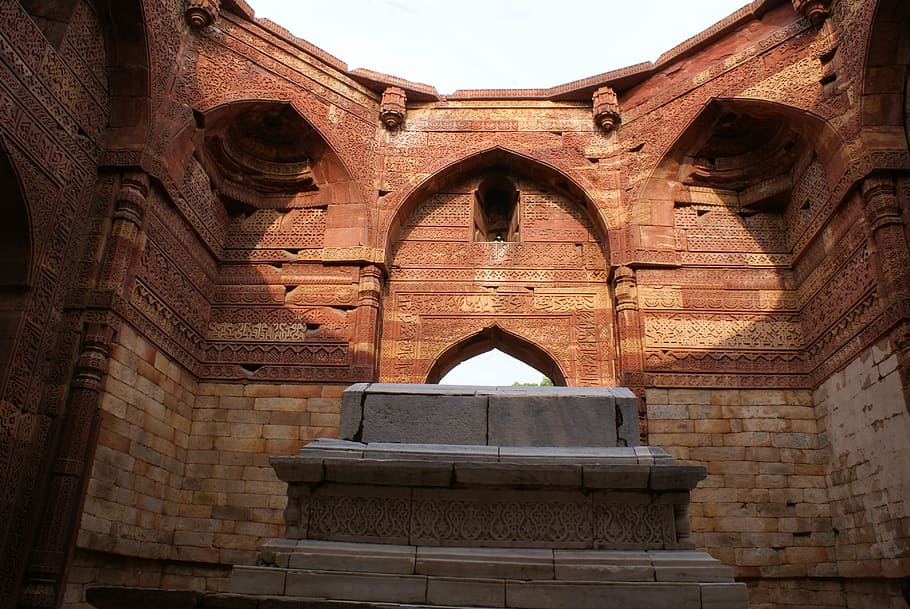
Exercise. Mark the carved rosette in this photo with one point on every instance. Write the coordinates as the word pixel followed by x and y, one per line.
pixel 606 109
pixel 392 110
pixel 815 11
pixel 201 13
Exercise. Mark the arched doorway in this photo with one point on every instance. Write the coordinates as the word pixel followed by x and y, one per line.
pixel 496 338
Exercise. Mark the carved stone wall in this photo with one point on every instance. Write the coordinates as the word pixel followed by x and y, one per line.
pixel 214 301
pixel 549 286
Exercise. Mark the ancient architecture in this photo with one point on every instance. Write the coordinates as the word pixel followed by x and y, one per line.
pixel 212 228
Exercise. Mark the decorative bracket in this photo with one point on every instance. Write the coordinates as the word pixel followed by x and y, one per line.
pixel 815 11
pixel 392 110
pixel 606 109
pixel 201 13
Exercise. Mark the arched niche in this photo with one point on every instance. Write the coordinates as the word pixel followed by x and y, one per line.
pixel 886 87
pixel 742 195
pixel 491 338
pixel 15 258
pixel 503 161
pixel 545 280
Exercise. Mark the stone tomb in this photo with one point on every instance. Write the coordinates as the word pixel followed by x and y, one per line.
pixel 489 497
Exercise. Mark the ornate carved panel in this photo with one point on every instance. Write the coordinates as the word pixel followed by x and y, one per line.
pixel 548 287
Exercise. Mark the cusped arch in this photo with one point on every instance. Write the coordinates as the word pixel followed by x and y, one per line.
pixel 494 337
pixel 497 156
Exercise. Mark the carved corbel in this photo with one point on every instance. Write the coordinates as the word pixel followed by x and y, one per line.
pixel 606 109
pixel 392 110
pixel 815 11
pixel 201 13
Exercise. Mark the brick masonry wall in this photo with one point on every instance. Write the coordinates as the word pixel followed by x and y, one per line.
pixel 865 427
pixel 763 507
pixel 181 485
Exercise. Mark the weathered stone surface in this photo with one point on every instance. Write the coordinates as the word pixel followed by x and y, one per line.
pixel 445 419
pixel 528 420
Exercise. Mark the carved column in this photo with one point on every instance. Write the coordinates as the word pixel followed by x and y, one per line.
pixel 606 109
pixel 883 213
pixel 201 13
pixel 366 328
pixel 815 11
pixel 124 243
pixel 628 323
pixel 886 224
pixel 77 435
pixel 392 109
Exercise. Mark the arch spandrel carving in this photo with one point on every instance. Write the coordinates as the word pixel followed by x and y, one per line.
pixel 548 286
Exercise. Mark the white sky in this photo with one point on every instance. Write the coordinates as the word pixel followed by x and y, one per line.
pixel 494 44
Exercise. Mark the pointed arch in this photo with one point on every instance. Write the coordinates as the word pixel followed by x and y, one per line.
pixel 16 243
pixel 494 337
pixel 498 157
pixel 778 145
pixel 886 73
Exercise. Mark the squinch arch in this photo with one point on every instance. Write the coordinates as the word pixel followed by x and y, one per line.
pixel 495 337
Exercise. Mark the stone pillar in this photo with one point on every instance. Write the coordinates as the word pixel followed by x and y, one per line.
pixel 124 243
pixel 886 225
pixel 606 109
pixel 883 213
pixel 815 11
pixel 628 324
pixel 366 327
pixel 46 574
pixel 201 13
pixel 393 109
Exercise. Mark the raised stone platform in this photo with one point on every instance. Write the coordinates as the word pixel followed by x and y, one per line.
pixel 473 524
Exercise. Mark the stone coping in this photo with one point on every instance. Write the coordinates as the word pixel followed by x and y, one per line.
pixel 642 468
pixel 490 416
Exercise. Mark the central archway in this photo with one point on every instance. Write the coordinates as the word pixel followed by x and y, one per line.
pixel 536 287
pixel 491 338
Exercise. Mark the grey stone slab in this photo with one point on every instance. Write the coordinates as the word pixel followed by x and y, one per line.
pixel 676 477
pixel 330 447
pixel 689 566
pixel 357 586
pixel 276 551
pixel 627 433
pixel 356 557
pixel 418 389
pixel 435 452
pixel 389 472
pixel 258 580
pixel 602 595
pixel 518 474
pixel 466 592
pixel 603 565
pixel 296 469
pixel 540 420
pixel 573 454
pixel 616 476
pixel 444 419
pixel 724 596
pixel 352 410
pixel 507 563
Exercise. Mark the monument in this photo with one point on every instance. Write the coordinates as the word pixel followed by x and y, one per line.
pixel 528 497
